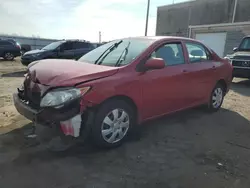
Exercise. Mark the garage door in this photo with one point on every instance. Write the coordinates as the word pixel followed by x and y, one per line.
pixel 215 41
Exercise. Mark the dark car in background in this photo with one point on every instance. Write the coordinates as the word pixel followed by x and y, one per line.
pixel 25 48
pixel 9 49
pixel 240 59
pixel 65 49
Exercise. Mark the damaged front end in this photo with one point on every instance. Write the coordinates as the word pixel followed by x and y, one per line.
pixel 62 107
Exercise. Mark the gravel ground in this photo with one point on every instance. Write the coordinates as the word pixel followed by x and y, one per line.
pixel 191 149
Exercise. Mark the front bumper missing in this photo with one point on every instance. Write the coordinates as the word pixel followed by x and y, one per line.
pixel 69 117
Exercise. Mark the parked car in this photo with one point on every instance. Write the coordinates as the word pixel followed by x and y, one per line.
pixel 66 49
pixel 240 59
pixel 9 49
pixel 121 84
pixel 25 48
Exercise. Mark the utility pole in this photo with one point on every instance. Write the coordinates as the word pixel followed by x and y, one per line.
pixel 234 11
pixel 100 36
pixel 146 27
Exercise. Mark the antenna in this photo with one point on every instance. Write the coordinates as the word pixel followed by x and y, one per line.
pixel 100 36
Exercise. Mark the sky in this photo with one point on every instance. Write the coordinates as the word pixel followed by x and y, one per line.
pixel 78 19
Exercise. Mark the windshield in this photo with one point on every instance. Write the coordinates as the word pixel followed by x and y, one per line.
pixel 134 48
pixel 245 45
pixel 52 45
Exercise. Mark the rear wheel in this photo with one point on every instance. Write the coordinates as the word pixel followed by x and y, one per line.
pixel 9 56
pixel 217 97
pixel 113 122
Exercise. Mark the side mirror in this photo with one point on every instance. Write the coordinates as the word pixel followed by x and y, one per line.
pixel 154 63
pixel 235 49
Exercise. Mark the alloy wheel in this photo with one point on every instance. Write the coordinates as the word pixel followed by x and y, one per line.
pixel 217 97
pixel 9 56
pixel 115 125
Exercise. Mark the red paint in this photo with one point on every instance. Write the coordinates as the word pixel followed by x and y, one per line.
pixel 154 92
pixel 54 72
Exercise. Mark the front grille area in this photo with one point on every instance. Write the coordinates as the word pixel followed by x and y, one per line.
pixel 241 63
pixel 33 97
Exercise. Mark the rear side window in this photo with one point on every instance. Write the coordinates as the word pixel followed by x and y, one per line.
pixel 67 46
pixel 171 53
pixel 197 53
pixel 78 45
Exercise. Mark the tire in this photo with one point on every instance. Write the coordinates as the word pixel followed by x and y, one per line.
pixel 216 98
pixel 8 56
pixel 113 119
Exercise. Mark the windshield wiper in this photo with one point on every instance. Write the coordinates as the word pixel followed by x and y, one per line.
pixel 107 51
pixel 119 61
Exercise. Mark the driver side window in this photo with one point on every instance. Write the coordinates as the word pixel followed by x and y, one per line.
pixel 171 53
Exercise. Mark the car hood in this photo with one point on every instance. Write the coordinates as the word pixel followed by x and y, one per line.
pixel 33 52
pixel 241 53
pixel 54 72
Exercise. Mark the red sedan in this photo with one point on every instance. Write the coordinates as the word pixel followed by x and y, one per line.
pixel 122 84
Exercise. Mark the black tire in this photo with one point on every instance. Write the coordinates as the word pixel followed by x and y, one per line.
pixel 102 112
pixel 211 106
pixel 8 56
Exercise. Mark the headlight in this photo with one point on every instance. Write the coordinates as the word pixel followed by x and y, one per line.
pixel 57 98
pixel 35 55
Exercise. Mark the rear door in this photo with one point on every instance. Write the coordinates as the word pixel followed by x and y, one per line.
pixel 66 51
pixel 81 48
pixel 166 90
pixel 5 46
pixel 201 71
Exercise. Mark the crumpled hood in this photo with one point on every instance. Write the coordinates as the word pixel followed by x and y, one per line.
pixel 33 52
pixel 55 72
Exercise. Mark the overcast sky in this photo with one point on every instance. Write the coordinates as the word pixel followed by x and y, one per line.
pixel 81 19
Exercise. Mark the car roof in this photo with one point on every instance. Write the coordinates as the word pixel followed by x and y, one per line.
pixel 74 40
pixel 160 38
pixel 11 41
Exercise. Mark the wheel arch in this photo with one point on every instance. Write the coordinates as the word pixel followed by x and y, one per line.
pixel 125 98
pixel 223 83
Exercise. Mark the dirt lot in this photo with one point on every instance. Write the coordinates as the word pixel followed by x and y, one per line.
pixel 192 149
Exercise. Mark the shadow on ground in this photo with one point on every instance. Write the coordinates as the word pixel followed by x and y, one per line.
pixel 3 60
pixel 14 74
pixel 191 121
pixel 241 87
pixel 188 149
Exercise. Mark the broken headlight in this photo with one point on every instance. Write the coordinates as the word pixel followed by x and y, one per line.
pixel 57 98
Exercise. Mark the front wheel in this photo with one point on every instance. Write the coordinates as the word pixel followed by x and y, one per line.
pixel 113 121
pixel 217 97
pixel 9 56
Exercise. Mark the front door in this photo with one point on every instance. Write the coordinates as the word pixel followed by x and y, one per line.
pixel 66 51
pixel 166 90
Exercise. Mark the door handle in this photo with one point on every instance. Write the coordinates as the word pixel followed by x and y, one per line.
pixel 184 70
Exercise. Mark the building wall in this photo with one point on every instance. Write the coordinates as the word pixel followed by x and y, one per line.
pixel 233 38
pixel 175 19
pixel 35 43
